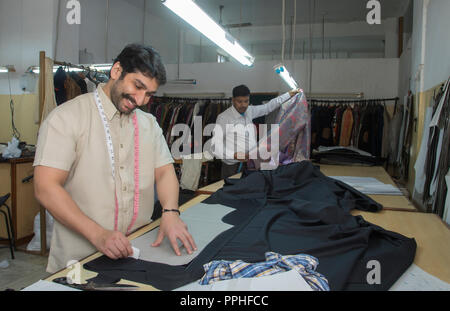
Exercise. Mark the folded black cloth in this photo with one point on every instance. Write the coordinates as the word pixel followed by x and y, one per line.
pixel 345 157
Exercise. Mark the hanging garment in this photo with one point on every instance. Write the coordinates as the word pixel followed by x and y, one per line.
pixel 346 127
pixel 59 82
pixel 394 131
pixel 294 209
pixel 190 173
pixel 356 124
pixel 436 142
pixel 293 134
pixel 80 82
pixel 385 138
pixel 90 85
pixel 419 166
pixel 446 214
pixel 439 183
pixel 305 265
pixel 72 88
pixel 49 100
pixel 337 125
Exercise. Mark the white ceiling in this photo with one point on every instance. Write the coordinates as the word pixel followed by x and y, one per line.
pixel 268 12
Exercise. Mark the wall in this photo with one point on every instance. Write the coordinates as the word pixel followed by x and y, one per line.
pixel 25 109
pixel 26 27
pixel 377 78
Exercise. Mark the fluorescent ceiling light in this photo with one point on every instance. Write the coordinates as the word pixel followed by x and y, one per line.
pixel 197 18
pixel 281 70
pixel 8 68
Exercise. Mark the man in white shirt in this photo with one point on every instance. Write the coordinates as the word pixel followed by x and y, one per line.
pixel 236 134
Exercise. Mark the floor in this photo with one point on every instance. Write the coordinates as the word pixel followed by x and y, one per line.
pixel 21 272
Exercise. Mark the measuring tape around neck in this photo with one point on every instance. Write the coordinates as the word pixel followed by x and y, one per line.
pixel 110 147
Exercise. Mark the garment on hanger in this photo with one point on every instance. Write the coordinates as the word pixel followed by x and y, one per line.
pixel 347 127
pixel 91 86
pixel 293 134
pixel 72 88
pixel 294 209
pixel 59 82
pixel 49 100
pixel 437 160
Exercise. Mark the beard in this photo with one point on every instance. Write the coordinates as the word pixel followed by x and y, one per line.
pixel 118 97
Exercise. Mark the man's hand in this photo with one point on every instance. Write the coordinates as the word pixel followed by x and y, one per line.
pixel 174 228
pixel 294 92
pixel 113 244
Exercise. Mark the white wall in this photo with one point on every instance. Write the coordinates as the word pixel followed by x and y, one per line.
pixel 430 43
pixel 26 27
pixel 405 77
pixel 437 57
pixel 377 78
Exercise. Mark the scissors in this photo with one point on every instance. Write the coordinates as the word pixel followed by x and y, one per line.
pixel 91 286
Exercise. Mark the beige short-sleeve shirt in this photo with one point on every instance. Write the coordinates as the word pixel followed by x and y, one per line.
pixel 72 138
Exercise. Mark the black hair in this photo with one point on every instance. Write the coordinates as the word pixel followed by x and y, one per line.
pixel 143 59
pixel 241 90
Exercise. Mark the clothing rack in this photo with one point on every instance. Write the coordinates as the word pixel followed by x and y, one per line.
pixel 357 101
pixel 175 99
pixel 65 64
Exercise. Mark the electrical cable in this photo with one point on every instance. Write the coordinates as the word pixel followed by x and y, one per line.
pixel 16 132
pixel 283 9
pixel 293 30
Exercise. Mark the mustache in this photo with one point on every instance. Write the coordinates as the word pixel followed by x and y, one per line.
pixel 131 99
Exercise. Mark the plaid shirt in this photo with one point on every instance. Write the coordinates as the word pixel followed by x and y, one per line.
pixel 305 265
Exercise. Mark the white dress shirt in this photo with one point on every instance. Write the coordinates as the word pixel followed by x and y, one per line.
pixel 228 139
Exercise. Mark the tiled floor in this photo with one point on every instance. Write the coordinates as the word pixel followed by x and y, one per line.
pixel 23 271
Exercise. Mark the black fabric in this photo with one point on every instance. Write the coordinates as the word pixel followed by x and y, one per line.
pixel 345 157
pixel 291 210
pixel 229 170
